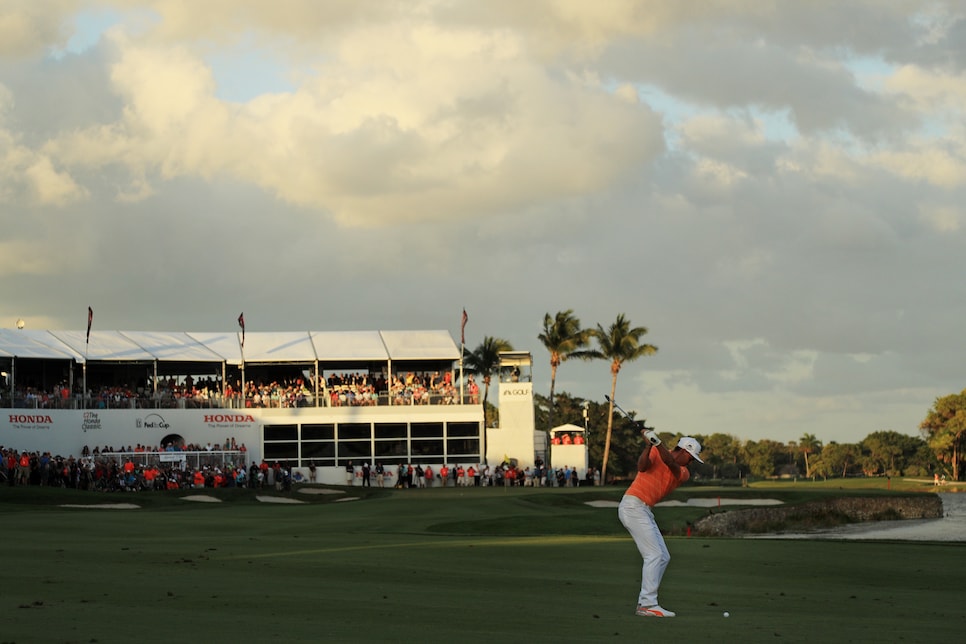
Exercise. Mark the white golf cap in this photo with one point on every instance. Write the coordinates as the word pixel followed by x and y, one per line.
pixel 691 446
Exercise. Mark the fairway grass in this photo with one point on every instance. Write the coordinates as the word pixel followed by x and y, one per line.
pixel 436 565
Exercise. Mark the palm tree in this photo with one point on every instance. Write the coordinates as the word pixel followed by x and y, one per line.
pixel 620 343
pixel 808 444
pixel 484 361
pixel 564 339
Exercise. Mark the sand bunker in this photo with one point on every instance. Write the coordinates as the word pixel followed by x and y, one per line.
pixel 319 490
pixel 104 506
pixel 715 502
pixel 201 498
pixel 277 499
pixel 701 503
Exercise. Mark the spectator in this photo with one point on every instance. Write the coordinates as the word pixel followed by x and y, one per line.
pixel 419 476
pixel 444 474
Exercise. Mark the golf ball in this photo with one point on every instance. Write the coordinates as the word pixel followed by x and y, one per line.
pixel 726 614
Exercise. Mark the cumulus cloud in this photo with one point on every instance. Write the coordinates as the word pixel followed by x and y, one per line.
pixel 28 28
pixel 371 138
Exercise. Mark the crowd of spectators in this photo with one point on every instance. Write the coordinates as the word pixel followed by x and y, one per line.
pixel 506 474
pixel 126 470
pixel 230 444
pixel 335 390
pixel 132 469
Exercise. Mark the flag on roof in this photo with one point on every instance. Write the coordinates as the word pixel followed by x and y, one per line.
pixel 241 323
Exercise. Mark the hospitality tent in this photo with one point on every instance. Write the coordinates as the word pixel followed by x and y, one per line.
pixel 161 353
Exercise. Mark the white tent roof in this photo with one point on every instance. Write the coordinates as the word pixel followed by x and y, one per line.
pixel 227 346
pixel 350 345
pixel 420 345
pixel 172 346
pixel 566 429
pixel 25 343
pixel 292 346
pixel 262 347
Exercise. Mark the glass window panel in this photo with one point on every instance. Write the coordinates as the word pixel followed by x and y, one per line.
pixel 318 432
pixel 354 450
pixel 350 431
pixel 389 449
pixel 280 432
pixel 321 453
pixel 463 429
pixel 427 430
pixel 390 430
pixel 427 448
pixel 463 446
pixel 281 451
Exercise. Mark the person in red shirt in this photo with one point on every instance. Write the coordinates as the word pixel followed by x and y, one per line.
pixel 150 474
pixel 428 474
pixel 443 474
pixel 510 477
pixel 659 472
pixel 23 470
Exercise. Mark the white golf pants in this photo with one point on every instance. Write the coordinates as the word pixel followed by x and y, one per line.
pixel 639 521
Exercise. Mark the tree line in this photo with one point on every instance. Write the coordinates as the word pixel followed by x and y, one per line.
pixel 882 453
pixel 615 440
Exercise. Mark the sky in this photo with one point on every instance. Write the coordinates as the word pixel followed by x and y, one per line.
pixel 775 190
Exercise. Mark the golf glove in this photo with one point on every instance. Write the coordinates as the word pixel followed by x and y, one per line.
pixel 652 437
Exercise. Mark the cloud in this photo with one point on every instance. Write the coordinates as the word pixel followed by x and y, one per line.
pixel 29 174
pixel 28 28
pixel 379 147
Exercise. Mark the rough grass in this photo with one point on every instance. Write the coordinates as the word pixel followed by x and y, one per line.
pixel 401 565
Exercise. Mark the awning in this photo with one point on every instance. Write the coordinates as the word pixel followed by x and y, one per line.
pixel 260 347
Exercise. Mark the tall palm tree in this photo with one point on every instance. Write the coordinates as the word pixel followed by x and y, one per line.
pixel 619 343
pixel 808 444
pixel 564 339
pixel 484 361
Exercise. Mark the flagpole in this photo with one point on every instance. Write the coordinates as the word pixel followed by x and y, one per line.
pixel 462 346
pixel 87 346
pixel 241 323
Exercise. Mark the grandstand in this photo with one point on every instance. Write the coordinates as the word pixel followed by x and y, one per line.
pixel 294 397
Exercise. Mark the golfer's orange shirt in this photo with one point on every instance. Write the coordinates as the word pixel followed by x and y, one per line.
pixel 657 481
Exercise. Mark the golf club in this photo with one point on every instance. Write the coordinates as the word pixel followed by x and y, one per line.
pixel 640 424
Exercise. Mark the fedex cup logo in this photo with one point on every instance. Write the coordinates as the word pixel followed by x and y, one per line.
pixel 152 421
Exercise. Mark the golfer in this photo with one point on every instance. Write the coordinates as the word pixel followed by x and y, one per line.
pixel 659 472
